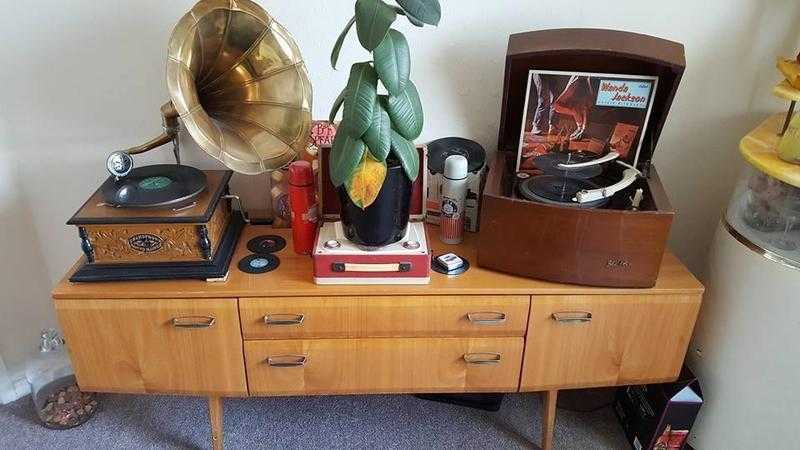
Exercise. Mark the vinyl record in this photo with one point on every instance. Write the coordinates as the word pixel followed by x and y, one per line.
pixel 549 164
pixel 269 243
pixel 256 264
pixel 558 190
pixel 157 186
pixel 440 149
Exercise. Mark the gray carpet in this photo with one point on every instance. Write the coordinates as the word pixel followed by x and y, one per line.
pixel 362 422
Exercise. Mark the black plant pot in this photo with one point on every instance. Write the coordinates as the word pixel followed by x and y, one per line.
pixel 385 221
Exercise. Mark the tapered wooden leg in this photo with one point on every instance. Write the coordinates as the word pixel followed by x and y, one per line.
pixel 548 418
pixel 215 416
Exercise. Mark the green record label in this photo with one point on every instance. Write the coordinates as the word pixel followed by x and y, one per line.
pixel 155 183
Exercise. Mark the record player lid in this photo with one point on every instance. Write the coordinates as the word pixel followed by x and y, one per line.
pixel 590 50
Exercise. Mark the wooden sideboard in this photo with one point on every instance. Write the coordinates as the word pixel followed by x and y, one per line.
pixel 280 334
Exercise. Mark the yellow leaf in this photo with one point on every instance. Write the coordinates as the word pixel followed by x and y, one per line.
pixel 366 181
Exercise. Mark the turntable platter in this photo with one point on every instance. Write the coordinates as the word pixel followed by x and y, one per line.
pixel 156 186
pixel 558 190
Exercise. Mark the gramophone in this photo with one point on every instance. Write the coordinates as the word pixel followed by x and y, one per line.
pixel 238 85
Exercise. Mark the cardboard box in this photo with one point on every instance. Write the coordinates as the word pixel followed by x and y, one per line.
pixel 659 416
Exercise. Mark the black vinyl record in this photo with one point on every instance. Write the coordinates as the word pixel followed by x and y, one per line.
pixel 558 190
pixel 269 243
pixel 256 264
pixel 440 149
pixel 549 164
pixel 156 186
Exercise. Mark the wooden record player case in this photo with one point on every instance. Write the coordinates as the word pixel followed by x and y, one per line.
pixel 596 247
pixel 195 241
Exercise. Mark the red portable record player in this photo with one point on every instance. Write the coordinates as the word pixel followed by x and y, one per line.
pixel 340 261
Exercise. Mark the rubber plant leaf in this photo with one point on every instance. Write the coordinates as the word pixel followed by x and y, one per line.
pixel 362 91
pixel 373 19
pixel 427 11
pixel 406 112
pixel 393 62
pixel 346 154
pixel 413 21
pixel 337 47
pixel 365 183
pixel 405 151
pixel 379 137
pixel 337 104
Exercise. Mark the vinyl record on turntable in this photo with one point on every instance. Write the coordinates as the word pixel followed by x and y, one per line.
pixel 440 149
pixel 558 190
pixel 549 164
pixel 156 186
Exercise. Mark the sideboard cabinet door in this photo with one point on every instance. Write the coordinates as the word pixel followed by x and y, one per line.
pixel 606 340
pixel 186 346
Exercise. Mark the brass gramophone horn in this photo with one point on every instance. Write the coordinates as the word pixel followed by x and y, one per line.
pixel 238 83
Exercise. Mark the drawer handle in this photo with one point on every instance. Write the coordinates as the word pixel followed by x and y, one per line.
pixel 572 317
pixel 284 319
pixel 487 318
pixel 193 322
pixel 482 358
pixel 287 361
pixel 340 267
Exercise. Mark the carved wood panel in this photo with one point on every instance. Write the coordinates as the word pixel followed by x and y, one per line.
pixel 150 243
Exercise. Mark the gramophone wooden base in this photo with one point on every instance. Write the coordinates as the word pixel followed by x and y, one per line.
pixel 195 241
pixel 217 267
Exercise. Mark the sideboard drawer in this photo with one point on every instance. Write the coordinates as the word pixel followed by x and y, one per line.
pixel 191 346
pixel 428 316
pixel 606 340
pixel 349 366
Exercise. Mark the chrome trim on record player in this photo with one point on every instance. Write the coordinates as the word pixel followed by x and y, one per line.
pixel 332 244
pixel 411 245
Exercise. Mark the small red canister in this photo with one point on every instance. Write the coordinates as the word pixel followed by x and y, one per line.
pixel 303 201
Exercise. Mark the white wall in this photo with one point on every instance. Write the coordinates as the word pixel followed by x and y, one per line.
pixel 81 78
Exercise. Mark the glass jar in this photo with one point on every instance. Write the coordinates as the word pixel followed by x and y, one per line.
pixel 58 401
pixel 765 212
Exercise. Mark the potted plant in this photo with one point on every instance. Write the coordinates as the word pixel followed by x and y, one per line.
pixel 373 160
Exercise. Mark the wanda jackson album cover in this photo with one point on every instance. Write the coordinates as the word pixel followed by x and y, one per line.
pixel 584 112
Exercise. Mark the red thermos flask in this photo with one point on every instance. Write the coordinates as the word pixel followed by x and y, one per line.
pixel 303 201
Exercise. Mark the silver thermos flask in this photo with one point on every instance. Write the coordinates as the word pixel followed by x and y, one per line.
pixel 454 193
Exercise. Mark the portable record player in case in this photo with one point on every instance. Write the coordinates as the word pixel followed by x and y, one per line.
pixel 586 215
pixel 340 261
pixel 193 237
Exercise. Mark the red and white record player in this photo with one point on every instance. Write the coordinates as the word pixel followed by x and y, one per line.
pixel 340 261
